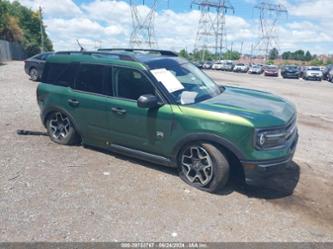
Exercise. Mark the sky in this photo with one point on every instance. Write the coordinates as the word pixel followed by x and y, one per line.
pixel 107 23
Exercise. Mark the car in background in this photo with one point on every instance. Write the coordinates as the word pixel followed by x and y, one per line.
pixel 34 65
pixel 313 73
pixel 326 71
pixel 255 69
pixel 290 71
pixel 227 66
pixel 330 76
pixel 271 70
pixel 198 64
pixel 217 66
pixel 241 67
pixel 207 65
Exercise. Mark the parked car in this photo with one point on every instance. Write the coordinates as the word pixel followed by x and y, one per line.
pixel 241 67
pixel 326 71
pixel 313 73
pixel 34 66
pixel 227 66
pixel 207 65
pixel 217 66
pixel 182 118
pixel 290 71
pixel 255 69
pixel 271 70
pixel 330 76
pixel 198 64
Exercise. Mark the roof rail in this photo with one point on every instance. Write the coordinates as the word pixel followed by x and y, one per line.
pixel 98 53
pixel 161 52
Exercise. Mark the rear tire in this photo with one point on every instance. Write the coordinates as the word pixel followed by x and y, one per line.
pixel 34 74
pixel 203 166
pixel 61 130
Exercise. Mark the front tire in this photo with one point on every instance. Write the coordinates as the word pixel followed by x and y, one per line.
pixel 60 129
pixel 203 166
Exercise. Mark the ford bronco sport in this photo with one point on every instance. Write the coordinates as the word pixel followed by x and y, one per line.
pixel 155 106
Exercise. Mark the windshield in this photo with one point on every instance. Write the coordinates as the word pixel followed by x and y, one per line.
pixel 184 81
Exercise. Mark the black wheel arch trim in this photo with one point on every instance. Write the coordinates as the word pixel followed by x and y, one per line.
pixel 50 110
pixel 209 138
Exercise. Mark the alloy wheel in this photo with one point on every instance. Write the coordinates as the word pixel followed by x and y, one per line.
pixel 59 126
pixel 197 165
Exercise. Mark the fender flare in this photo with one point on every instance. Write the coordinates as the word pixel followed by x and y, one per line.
pixel 209 138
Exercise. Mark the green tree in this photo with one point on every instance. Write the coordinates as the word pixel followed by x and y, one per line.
pixel 273 54
pixel 307 56
pixel 183 53
pixel 231 55
pixel 20 24
pixel 286 55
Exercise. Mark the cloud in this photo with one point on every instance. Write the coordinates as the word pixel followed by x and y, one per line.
pixel 108 23
pixel 52 8
pixel 315 9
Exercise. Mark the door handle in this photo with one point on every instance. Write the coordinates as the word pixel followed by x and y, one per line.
pixel 119 111
pixel 73 102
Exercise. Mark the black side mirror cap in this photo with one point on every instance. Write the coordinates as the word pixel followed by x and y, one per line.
pixel 148 101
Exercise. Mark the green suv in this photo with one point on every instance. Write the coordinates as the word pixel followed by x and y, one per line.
pixel 155 106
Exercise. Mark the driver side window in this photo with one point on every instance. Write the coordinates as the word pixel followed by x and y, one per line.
pixel 131 84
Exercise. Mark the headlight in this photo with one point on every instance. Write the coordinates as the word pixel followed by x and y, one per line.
pixel 275 138
pixel 270 139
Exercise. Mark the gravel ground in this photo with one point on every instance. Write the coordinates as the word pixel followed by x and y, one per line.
pixel 50 192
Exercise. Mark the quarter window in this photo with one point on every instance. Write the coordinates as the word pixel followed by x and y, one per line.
pixel 131 84
pixel 90 78
pixel 60 74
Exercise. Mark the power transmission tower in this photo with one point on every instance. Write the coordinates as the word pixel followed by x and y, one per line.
pixel 269 15
pixel 143 31
pixel 211 33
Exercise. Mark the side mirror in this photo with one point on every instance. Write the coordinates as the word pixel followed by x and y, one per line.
pixel 148 101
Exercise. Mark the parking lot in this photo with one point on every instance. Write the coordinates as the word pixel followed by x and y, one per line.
pixel 50 192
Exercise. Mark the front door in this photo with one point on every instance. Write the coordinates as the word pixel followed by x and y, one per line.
pixel 137 128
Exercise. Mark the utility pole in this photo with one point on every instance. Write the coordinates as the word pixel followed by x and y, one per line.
pixel 269 15
pixel 211 29
pixel 241 48
pixel 40 11
pixel 143 30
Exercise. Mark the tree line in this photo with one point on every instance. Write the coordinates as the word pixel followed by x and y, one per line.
pixel 23 25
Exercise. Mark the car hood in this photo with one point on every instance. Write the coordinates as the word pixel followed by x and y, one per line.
pixel 313 72
pixel 262 109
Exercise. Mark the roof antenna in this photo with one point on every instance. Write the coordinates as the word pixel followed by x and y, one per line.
pixel 81 47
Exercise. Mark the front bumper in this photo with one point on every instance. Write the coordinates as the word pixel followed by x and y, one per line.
pixel 256 172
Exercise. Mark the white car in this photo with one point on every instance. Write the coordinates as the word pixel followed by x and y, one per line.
pixel 241 67
pixel 255 69
pixel 217 66
pixel 313 73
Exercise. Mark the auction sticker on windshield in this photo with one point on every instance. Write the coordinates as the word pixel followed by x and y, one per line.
pixel 171 83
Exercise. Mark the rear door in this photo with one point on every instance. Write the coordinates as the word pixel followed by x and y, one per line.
pixel 89 101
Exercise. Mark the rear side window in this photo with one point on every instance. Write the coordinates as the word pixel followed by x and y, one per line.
pixel 90 78
pixel 60 74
